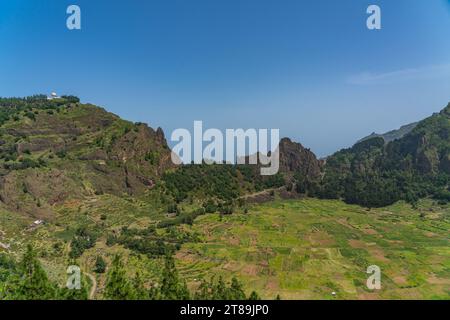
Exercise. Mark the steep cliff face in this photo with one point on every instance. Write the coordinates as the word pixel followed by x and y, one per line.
pixel 294 158
pixel 51 151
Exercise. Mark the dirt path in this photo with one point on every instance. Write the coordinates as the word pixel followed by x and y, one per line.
pixel 264 192
pixel 90 276
pixel 94 285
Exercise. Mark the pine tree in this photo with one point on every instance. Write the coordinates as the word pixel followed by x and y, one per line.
pixel 100 265
pixel 254 296
pixel 220 290
pixel 117 286
pixel 171 288
pixel 34 283
pixel 236 291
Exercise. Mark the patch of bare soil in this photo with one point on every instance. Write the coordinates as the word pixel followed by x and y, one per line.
pixel 358 244
pixel 322 239
pixel 378 254
pixel 251 270
pixel 261 197
pixel 186 256
pixel 233 241
pixel 400 280
pixel 345 223
pixel 438 281
pixel 272 284
pixel 369 231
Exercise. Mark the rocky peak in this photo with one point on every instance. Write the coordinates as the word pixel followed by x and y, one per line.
pixel 296 158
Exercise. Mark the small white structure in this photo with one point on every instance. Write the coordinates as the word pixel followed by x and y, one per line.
pixel 52 96
pixel 38 222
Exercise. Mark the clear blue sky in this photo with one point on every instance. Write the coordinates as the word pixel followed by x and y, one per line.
pixel 310 68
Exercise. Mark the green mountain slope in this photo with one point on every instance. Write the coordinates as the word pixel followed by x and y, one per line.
pixel 373 173
pixel 393 134
pixel 53 150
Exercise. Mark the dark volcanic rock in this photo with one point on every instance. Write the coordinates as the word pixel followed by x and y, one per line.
pixel 295 158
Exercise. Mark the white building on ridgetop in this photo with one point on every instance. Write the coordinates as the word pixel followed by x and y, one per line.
pixel 52 96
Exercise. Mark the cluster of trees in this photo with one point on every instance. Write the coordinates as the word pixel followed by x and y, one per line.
pixel 27 280
pixel 170 286
pixel 204 180
pixel 225 182
pixel 217 289
pixel 100 265
pixel 181 218
pixel 251 175
pixel 24 163
pixel 209 206
pixel 148 242
pixel 10 108
pixel 82 240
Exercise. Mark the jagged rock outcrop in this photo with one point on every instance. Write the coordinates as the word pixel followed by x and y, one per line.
pixel 294 158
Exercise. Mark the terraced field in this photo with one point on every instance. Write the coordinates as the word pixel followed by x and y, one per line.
pixel 298 249
pixel 307 249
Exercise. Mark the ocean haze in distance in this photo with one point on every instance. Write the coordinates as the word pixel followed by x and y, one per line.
pixel 310 68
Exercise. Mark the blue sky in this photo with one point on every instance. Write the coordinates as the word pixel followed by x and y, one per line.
pixel 310 68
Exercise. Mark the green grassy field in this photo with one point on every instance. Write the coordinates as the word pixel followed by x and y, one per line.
pixel 298 249
pixel 306 249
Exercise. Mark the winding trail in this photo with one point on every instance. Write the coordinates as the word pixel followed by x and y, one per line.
pixel 94 285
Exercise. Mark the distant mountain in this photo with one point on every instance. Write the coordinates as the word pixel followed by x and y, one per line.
pixel 373 173
pixel 392 135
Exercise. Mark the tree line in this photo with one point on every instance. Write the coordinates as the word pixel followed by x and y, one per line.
pixel 27 280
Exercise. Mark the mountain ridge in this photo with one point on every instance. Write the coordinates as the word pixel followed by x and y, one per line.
pixel 373 173
pixel 54 150
pixel 392 134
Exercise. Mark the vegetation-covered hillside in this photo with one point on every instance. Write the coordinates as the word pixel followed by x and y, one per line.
pixel 53 150
pixel 373 173
pixel 80 186
pixel 393 134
